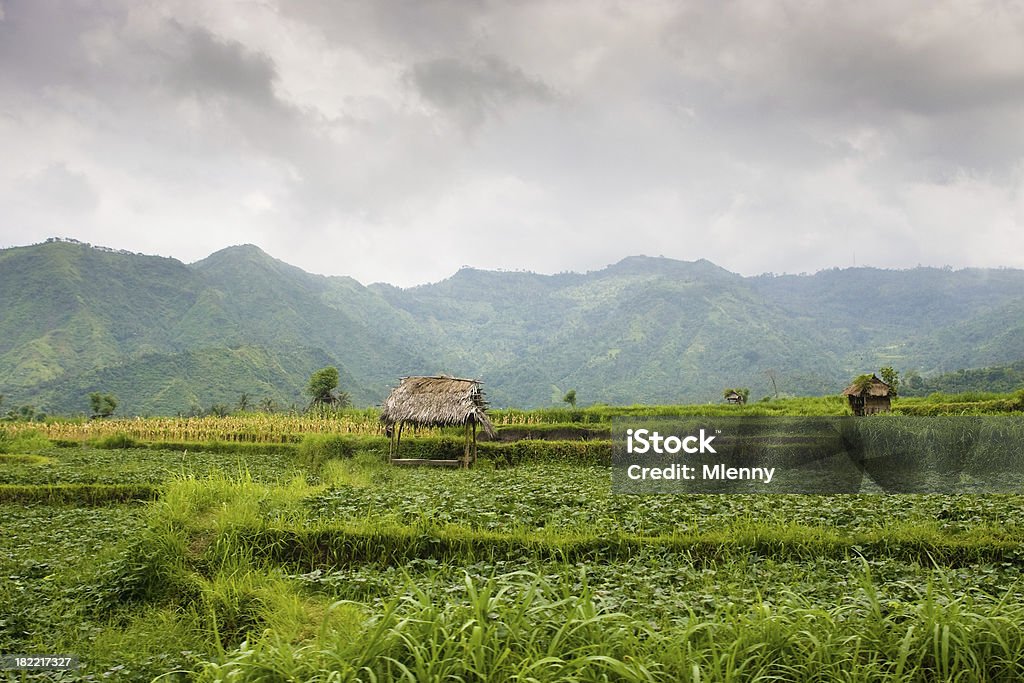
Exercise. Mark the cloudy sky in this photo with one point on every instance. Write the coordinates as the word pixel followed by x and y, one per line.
pixel 398 140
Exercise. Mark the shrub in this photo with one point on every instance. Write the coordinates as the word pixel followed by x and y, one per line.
pixel 432 448
pixel 116 441
pixel 315 449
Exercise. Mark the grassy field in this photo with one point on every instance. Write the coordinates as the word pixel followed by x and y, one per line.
pixel 187 554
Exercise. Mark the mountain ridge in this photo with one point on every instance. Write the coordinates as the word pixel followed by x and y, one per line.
pixel 643 329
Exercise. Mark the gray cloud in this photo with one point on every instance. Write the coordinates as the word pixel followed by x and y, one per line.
pixel 475 90
pixel 765 137
pixel 224 67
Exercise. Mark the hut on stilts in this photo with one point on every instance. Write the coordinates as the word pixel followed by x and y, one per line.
pixel 437 401
pixel 868 395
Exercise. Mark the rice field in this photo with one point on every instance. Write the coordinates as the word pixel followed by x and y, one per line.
pixel 243 562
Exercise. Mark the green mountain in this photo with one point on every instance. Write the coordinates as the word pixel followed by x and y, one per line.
pixel 190 381
pixel 999 378
pixel 164 336
pixel 167 337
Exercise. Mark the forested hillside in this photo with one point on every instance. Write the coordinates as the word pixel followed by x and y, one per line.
pixel 168 337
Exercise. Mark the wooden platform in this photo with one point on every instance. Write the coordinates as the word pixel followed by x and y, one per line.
pixel 424 462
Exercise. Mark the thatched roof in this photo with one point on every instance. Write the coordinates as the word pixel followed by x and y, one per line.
pixel 874 387
pixel 438 401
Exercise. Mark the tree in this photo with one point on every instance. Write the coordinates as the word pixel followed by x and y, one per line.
pixel 219 410
pixel 891 377
pixel 103 405
pixel 342 400
pixel 772 375
pixel 243 402
pixel 913 383
pixel 862 383
pixel 570 398
pixel 322 384
pixel 25 413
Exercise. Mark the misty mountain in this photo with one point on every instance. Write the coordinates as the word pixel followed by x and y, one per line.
pixel 168 337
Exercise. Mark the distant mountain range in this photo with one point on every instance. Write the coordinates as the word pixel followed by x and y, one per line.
pixel 168 337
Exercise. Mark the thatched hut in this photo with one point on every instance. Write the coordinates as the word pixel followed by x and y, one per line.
pixel 868 395
pixel 734 397
pixel 437 401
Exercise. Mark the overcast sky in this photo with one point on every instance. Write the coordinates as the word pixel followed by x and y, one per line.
pixel 396 141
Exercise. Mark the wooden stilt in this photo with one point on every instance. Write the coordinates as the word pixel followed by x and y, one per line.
pixel 474 442
pixel 398 440
pixel 465 450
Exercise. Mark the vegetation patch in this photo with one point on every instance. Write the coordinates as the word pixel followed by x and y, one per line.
pixel 22 440
pixel 552 432
pixel 24 459
pixel 84 465
pixel 237 447
pixel 116 441
pixel 78 494
pixel 316 449
pixel 580 453
pixel 355 544
pixel 526 627
pixel 952 406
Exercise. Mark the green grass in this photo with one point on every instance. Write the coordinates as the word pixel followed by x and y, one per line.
pixel 77 494
pixel 603 414
pixel 523 626
pixel 25 441
pixel 85 465
pixel 24 459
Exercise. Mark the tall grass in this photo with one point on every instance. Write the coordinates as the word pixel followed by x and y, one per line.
pixel 316 449
pixel 22 440
pixel 540 630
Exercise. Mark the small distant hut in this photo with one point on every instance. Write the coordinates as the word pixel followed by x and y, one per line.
pixel 868 395
pixel 734 397
pixel 436 401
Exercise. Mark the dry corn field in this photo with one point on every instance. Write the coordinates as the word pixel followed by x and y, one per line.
pixel 254 428
pixel 245 427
